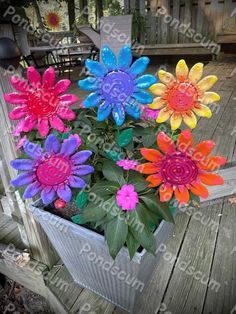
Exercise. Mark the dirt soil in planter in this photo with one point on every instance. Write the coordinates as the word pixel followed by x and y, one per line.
pixel 15 298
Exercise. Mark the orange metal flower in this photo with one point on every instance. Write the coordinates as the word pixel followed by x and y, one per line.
pixel 182 97
pixel 181 167
pixel 53 20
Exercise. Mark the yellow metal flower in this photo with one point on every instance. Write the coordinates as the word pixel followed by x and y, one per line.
pixel 53 20
pixel 183 96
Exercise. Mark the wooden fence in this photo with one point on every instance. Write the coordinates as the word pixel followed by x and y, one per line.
pixel 185 21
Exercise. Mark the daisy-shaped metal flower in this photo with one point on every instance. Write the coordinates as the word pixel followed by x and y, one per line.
pixel 182 97
pixel 117 85
pixel 39 102
pixel 52 171
pixel 181 167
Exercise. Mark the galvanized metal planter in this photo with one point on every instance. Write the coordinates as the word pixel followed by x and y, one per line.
pixel 86 256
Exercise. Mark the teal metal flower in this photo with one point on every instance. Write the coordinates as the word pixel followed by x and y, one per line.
pixel 116 85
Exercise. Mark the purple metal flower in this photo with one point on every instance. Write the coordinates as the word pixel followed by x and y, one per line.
pixel 52 171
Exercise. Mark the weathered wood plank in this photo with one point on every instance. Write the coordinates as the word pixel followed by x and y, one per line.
pixel 223 268
pixel 190 277
pixel 187 17
pixel 174 29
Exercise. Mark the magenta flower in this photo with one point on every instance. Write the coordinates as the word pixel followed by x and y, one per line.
pixel 127 164
pixel 40 103
pixel 52 171
pixel 127 197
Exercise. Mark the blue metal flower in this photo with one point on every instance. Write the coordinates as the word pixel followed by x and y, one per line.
pixel 116 85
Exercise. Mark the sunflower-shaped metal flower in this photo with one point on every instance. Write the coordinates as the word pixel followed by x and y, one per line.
pixel 40 103
pixel 117 85
pixel 52 171
pixel 182 97
pixel 181 167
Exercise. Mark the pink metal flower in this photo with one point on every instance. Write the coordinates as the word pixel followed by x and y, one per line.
pixel 127 197
pixel 127 164
pixel 40 103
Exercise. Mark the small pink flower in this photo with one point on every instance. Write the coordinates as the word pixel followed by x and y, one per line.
pixel 21 142
pixel 77 137
pixel 149 114
pixel 66 130
pixel 127 164
pixel 127 197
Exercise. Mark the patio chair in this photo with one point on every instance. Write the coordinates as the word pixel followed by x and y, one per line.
pixel 91 34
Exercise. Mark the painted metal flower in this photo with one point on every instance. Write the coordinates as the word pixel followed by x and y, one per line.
pixel 181 167
pixel 116 85
pixel 52 171
pixel 53 20
pixel 40 103
pixel 182 97
pixel 127 197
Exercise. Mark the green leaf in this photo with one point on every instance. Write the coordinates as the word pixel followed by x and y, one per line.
pixel 91 213
pixel 103 188
pixel 116 233
pixel 81 199
pixel 154 205
pixel 149 219
pixel 113 155
pixel 148 140
pixel 145 238
pixel 125 137
pixel 132 245
pixel 138 181
pixel 112 172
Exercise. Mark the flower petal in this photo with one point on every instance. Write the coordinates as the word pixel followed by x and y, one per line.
pixel 33 76
pixel 175 121
pixel 118 113
pixel 83 170
pixel 48 195
pixel 202 111
pixel 66 114
pixel 184 141
pixel 69 146
pixel 181 70
pixel 81 157
pixel 52 144
pixel 95 68
pixel 76 182
pixel 29 124
pixel 64 192
pixel 108 58
pixel 154 179
pixel 125 57
pixel 183 195
pixel 18 113
pixel 148 168
pixel 166 193
pixel 190 119
pixel 23 179
pixel 210 97
pixel 164 115
pixel 165 143
pixel 93 100
pixel 158 89
pixel 211 179
pixel 49 78
pixel 104 111
pixel 90 84
pixel 62 86
pixel 56 123
pixel 145 81
pixel 195 72
pixel 43 127
pixel 143 97
pixel 33 150
pixel 203 149
pixel 133 110
pixel 166 77
pixel 158 103
pixel 32 189
pixel 199 189
pixel 15 98
pixel 22 164
pixel 212 163
pixel 68 99
pixel 207 82
pixel 19 84
pixel 151 154
pixel 139 66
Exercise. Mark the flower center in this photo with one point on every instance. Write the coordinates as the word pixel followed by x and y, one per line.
pixel 182 96
pixel 178 169
pixel 117 87
pixel 53 171
pixel 43 102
